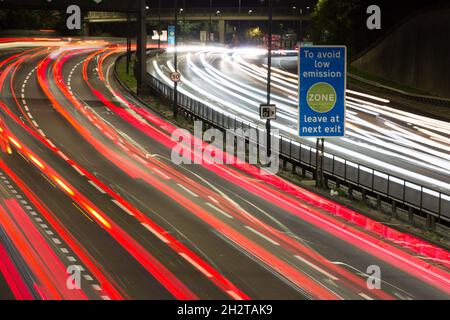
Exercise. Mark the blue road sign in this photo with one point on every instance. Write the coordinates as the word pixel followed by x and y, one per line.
pixel 322 86
pixel 171 35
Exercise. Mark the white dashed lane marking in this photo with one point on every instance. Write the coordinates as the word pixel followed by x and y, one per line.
pixel 123 207
pixel 29 209
pixel 187 190
pixel 219 210
pixel 97 187
pixel 262 236
pixel 312 265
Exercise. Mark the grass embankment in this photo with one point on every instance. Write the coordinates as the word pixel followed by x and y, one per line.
pixel 127 77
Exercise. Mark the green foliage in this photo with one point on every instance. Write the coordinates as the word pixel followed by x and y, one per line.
pixel 189 29
pixel 344 21
pixel 341 22
pixel 127 78
pixel 31 19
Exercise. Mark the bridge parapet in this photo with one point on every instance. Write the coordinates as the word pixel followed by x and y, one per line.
pixel 287 14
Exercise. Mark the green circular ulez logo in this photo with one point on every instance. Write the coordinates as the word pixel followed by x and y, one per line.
pixel 321 97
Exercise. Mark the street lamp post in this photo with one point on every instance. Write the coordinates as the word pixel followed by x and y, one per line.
pixel 175 62
pixel 141 50
pixel 300 31
pixel 269 76
pixel 210 21
pixel 159 24
pixel 183 31
pixel 128 42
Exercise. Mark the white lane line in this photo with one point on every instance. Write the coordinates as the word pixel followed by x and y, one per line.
pixel 156 233
pixel 81 268
pixel 88 277
pixel 97 187
pixel 123 207
pixel 51 144
pixel 139 159
pixel 109 136
pixel 234 295
pixel 312 265
pixel 56 240
pixel 64 250
pixel 78 170
pixel 196 265
pixel 219 210
pixel 96 287
pixel 187 190
pixel 365 296
pixel 213 199
pixel 262 236
pixel 63 155
pixel 162 174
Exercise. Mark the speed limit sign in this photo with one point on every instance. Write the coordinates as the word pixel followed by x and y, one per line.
pixel 175 76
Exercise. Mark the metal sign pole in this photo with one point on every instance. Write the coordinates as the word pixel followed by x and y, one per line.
pixel 320 149
pixel 269 75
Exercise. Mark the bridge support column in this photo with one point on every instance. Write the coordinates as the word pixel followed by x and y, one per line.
pixel 86 28
pixel 141 50
pixel 222 31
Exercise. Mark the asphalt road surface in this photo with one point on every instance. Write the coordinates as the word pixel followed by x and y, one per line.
pixel 379 135
pixel 92 206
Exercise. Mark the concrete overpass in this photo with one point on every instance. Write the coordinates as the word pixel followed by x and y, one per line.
pixel 85 5
pixel 222 15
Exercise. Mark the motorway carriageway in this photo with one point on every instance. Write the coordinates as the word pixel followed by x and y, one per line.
pixel 86 179
pixel 379 134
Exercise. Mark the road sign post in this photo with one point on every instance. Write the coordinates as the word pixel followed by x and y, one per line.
pixel 268 112
pixel 322 89
pixel 175 76
pixel 269 79
pixel 175 60
pixel 171 36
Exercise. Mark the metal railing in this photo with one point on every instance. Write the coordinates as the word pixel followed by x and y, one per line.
pixel 368 180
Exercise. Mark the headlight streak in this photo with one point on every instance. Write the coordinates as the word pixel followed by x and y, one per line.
pixel 415 144
pixel 259 188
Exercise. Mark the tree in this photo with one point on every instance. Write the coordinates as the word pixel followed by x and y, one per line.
pixel 340 22
pixel 31 19
pixel 344 21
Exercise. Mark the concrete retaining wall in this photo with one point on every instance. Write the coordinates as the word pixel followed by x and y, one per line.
pixel 417 54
